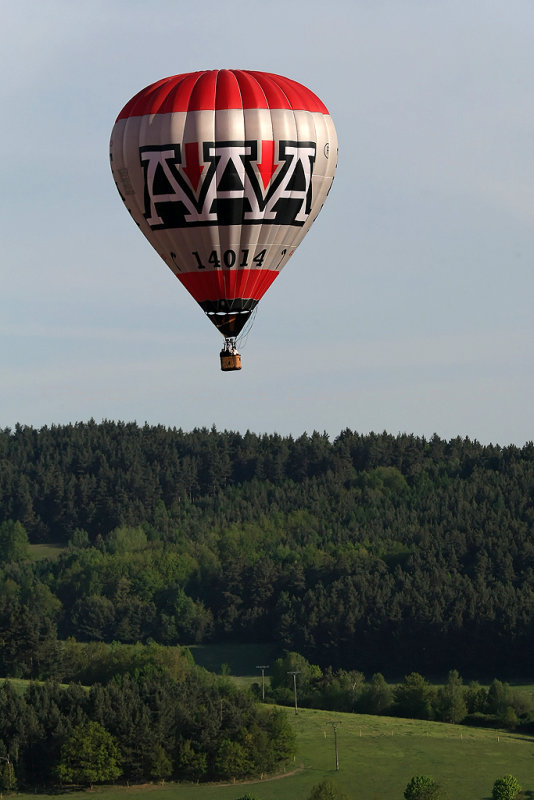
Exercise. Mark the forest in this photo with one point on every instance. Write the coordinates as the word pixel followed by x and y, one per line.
pixel 139 726
pixel 378 552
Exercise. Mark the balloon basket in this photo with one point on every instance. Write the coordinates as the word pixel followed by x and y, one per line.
pixel 230 358
pixel 230 361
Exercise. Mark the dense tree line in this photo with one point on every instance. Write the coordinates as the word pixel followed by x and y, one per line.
pixel 154 726
pixel 385 553
pixel 495 705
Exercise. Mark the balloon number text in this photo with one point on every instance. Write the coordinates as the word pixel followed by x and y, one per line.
pixel 229 259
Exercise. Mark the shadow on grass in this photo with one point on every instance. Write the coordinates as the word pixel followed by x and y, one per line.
pixel 57 791
pixel 65 791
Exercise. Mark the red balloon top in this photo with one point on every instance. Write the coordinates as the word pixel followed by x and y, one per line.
pixel 221 89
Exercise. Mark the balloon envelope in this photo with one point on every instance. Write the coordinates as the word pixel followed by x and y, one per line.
pixel 224 172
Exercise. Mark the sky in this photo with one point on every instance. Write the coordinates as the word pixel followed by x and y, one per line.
pixel 408 308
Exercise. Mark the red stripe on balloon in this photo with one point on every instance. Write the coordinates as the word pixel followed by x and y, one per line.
pixel 228 285
pixel 221 89
pixel 227 94
pixel 252 95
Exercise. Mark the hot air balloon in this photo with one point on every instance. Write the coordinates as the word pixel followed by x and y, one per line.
pixel 224 172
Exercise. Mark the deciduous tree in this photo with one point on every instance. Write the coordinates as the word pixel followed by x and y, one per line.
pixel 90 755
pixel 414 697
pixel 8 779
pixel 451 703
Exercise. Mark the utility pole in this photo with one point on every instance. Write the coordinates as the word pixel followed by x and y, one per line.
pixel 295 688
pixel 334 725
pixel 263 667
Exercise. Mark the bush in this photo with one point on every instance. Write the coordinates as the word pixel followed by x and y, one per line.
pixel 506 788
pixel 422 787
pixel 326 790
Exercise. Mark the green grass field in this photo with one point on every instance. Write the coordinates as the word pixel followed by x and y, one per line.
pixel 38 552
pixel 241 660
pixel 377 756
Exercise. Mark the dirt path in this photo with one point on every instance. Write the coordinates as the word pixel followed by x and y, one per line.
pixel 154 786
pixel 264 780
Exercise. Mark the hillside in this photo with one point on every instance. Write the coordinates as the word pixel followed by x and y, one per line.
pixel 375 552
pixel 377 758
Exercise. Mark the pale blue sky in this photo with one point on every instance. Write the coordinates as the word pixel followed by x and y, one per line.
pixel 408 308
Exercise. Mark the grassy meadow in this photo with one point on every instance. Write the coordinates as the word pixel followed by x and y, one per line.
pixel 377 757
pixel 240 662
pixel 40 552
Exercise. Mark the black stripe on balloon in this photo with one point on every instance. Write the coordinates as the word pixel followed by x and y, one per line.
pixel 230 324
pixel 226 305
